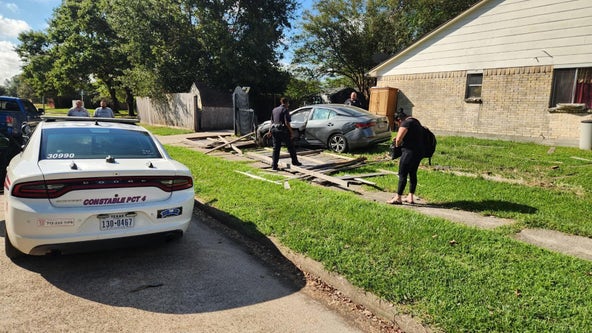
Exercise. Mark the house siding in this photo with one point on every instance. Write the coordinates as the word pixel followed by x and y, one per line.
pixel 502 34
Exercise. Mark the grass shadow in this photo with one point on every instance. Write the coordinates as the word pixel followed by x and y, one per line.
pixel 489 206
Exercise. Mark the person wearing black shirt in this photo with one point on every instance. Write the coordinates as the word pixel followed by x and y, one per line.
pixel 354 101
pixel 281 131
pixel 410 139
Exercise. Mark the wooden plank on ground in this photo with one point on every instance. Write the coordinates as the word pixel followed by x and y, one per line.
pixel 258 177
pixel 365 175
pixel 331 179
pixel 241 144
pixel 205 135
pixel 330 171
pixel 235 148
pixel 364 181
pixel 228 143
pixel 315 174
pixel 310 159
pixel 342 157
pixel 310 152
pixel 337 165
pixel 260 157
pixel 581 159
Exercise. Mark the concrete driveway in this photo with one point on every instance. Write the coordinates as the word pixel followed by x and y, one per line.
pixel 204 282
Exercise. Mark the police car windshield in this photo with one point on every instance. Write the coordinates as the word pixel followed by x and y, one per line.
pixel 88 143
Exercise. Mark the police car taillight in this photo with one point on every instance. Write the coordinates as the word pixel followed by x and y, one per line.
pixel 55 188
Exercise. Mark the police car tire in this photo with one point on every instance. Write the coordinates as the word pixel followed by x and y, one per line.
pixel 11 251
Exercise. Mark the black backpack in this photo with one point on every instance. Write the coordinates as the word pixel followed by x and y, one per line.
pixel 429 144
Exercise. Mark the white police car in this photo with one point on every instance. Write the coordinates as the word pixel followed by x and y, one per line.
pixel 83 184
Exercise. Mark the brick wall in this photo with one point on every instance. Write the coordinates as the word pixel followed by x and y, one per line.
pixel 515 105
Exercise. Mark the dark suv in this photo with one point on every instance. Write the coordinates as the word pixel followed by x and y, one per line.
pixel 16 115
pixel 16 112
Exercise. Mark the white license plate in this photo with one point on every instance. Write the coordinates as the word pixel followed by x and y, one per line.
pixel 116 221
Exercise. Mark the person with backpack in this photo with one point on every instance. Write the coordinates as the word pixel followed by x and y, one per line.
pixel 410 137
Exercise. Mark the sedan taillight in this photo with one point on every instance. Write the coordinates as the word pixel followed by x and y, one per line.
pixel 365 125
pixel 56 188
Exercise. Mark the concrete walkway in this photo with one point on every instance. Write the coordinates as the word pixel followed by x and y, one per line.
pixel 576 246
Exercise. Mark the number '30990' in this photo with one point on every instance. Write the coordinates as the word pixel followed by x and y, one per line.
pixel 60 155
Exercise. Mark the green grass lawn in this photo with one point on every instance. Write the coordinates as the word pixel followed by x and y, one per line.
pixel 455 278
pixel 58 112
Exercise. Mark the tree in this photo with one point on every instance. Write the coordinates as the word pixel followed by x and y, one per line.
pixel 249 37
pixel 12 84
pixel 298 89
pixel 86 48
pixel 348 38
pixel 151 47
pixel 171 44
pixel 35 53
pixel 160 42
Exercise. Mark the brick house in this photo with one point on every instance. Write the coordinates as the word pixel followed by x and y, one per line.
pixel 508 69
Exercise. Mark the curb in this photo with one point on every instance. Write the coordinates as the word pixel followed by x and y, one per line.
pixel 379 307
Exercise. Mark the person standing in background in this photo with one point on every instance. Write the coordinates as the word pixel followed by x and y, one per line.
pixel 354 101
pixel 78 110
pixel 104 111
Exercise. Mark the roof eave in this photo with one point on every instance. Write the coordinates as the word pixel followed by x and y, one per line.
pixel 374 71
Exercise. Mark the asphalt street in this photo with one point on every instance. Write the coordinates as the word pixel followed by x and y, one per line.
pixel 204 282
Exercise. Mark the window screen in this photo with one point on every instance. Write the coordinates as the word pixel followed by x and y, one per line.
pixel 474 82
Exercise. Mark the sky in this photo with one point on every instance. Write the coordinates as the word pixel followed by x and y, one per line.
pixel 17 16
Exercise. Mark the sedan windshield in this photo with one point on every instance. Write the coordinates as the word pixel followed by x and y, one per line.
pixel 92 143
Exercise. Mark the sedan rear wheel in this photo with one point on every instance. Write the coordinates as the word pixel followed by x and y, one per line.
pixel 338 143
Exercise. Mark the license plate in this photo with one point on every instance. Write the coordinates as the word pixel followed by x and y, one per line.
pixel 116 221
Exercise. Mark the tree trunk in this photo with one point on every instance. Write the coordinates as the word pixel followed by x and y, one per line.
pixel 114 100
pixel 130 100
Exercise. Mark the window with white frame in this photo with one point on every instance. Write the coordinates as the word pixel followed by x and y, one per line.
pixel 473 91
pixel 572 86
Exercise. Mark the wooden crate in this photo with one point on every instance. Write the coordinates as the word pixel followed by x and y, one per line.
pixel 383 102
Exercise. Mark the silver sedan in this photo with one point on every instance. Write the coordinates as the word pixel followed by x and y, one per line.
pixel 338 127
